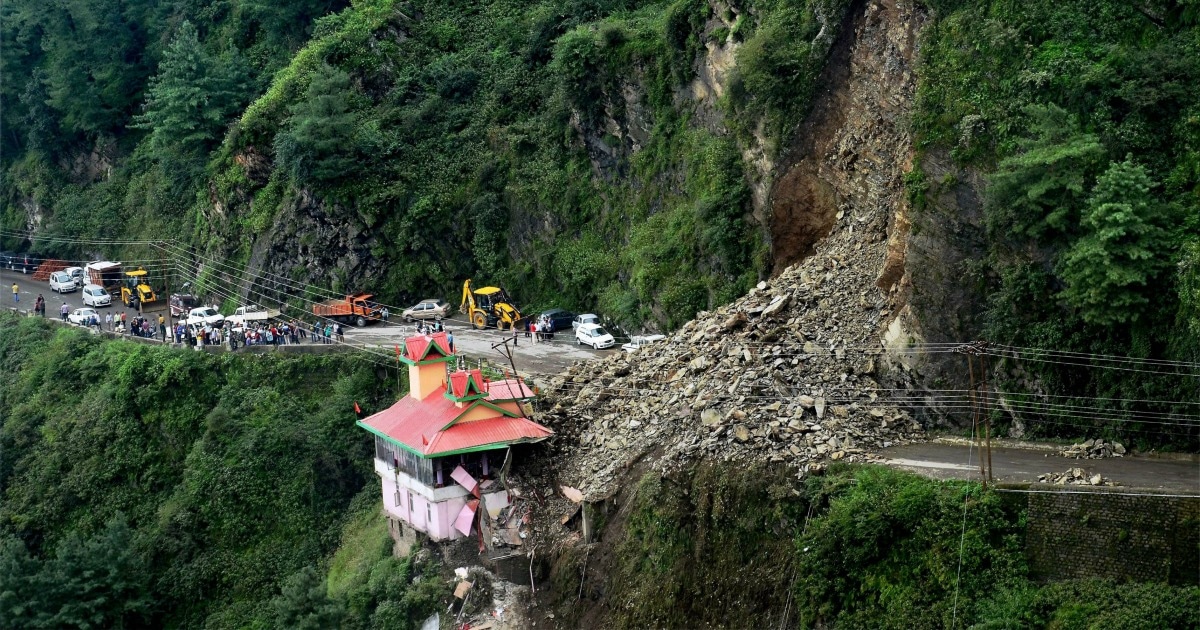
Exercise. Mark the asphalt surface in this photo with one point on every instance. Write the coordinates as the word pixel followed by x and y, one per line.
pixel 948 460
pixel 29 289
pixel 543 358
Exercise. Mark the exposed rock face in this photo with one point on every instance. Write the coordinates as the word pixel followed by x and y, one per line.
pixel 310 242
pixel 850 156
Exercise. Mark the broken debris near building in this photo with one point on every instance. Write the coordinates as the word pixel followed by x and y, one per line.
pixel 439 450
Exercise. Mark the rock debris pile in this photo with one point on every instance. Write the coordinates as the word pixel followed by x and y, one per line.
pixel 1094 449
pixel 787 374
pixel 1076 477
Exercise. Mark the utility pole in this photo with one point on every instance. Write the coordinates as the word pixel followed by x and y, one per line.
pixel 979 406
pixel 987 417
pixel 508 353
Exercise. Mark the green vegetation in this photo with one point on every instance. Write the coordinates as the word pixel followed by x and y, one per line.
pixel 547 147
pixel 1084 117
pixel 859 547
pixel 145 486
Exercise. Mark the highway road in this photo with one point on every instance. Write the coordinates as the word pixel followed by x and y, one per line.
pixel 543 358
pixel 29 289
pixel 941 458
pixel 947 459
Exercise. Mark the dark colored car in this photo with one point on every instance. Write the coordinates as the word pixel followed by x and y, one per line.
pixel 182 303
pixel 560 319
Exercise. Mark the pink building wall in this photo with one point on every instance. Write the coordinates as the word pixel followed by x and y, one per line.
pixel 426 509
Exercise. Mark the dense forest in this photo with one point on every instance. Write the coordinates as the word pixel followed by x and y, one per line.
pixel 522 142
pixel 147 487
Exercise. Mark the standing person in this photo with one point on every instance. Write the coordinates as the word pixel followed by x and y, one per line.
pixel 63 311
pixel 16 297
pixel 328 333
pixel 39 305
pixel 162 327
pixel 450 340
pixel 384 313
pixel 533 331
pixel 341 332
pixel 108 321
pixel 124 321
pixel 514 332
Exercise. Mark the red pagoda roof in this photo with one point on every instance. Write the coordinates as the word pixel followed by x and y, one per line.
pixel 418 347
pixel 463 381
pixel 429 427
pixel 508 389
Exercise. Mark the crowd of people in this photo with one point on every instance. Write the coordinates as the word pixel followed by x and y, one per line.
pixel 281 333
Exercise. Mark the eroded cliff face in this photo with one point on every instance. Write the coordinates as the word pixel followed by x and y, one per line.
pixel 848 159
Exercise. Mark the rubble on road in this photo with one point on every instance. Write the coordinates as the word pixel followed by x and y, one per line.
pixel 785 374
pixel 1094 449
pixel 1076 477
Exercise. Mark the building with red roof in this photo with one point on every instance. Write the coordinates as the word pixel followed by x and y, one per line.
pixel 450 431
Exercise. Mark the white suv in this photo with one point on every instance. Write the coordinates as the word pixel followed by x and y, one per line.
pixel 205 315
pixel 62 282
pixel 95 295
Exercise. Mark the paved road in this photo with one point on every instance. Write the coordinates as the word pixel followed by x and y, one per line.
pixel 29 289
pixel 542 358
pixel 946 460
pixel 551 357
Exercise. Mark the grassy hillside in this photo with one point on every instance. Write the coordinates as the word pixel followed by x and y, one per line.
pixel 147 486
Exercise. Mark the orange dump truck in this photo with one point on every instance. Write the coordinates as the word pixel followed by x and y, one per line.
pixel 354 309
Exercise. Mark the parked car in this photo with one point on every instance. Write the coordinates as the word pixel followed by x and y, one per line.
pixel 95 295
pixel 62 282
pixel 560 319
pixel 427 309
pixel 594 335
pixel 586 318
pixel 82 316
pixel 77 274
pixel 641 341
pixel 182 303
pixel 25 263
pixel 206 315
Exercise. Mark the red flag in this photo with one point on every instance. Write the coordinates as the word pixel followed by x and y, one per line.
pixel 397 352
pixel 357 409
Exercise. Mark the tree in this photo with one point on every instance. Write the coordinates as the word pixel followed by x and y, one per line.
pixel 320 143
pixel 99 582
pixel 1189 288
pixel 93 62
pixel 304 603
pixel 41 129
pixel 191 97
pixel 1111 269
pixel 1038 191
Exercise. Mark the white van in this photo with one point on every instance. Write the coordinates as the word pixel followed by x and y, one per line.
pixel 62 282
pixel 95 295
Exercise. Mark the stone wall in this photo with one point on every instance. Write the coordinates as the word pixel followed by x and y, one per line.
pixel 1124 536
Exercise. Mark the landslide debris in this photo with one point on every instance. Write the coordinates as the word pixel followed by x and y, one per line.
pixel 787 374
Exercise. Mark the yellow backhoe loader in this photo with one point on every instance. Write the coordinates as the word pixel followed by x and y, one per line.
pixel 135 289
pixel 489 306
